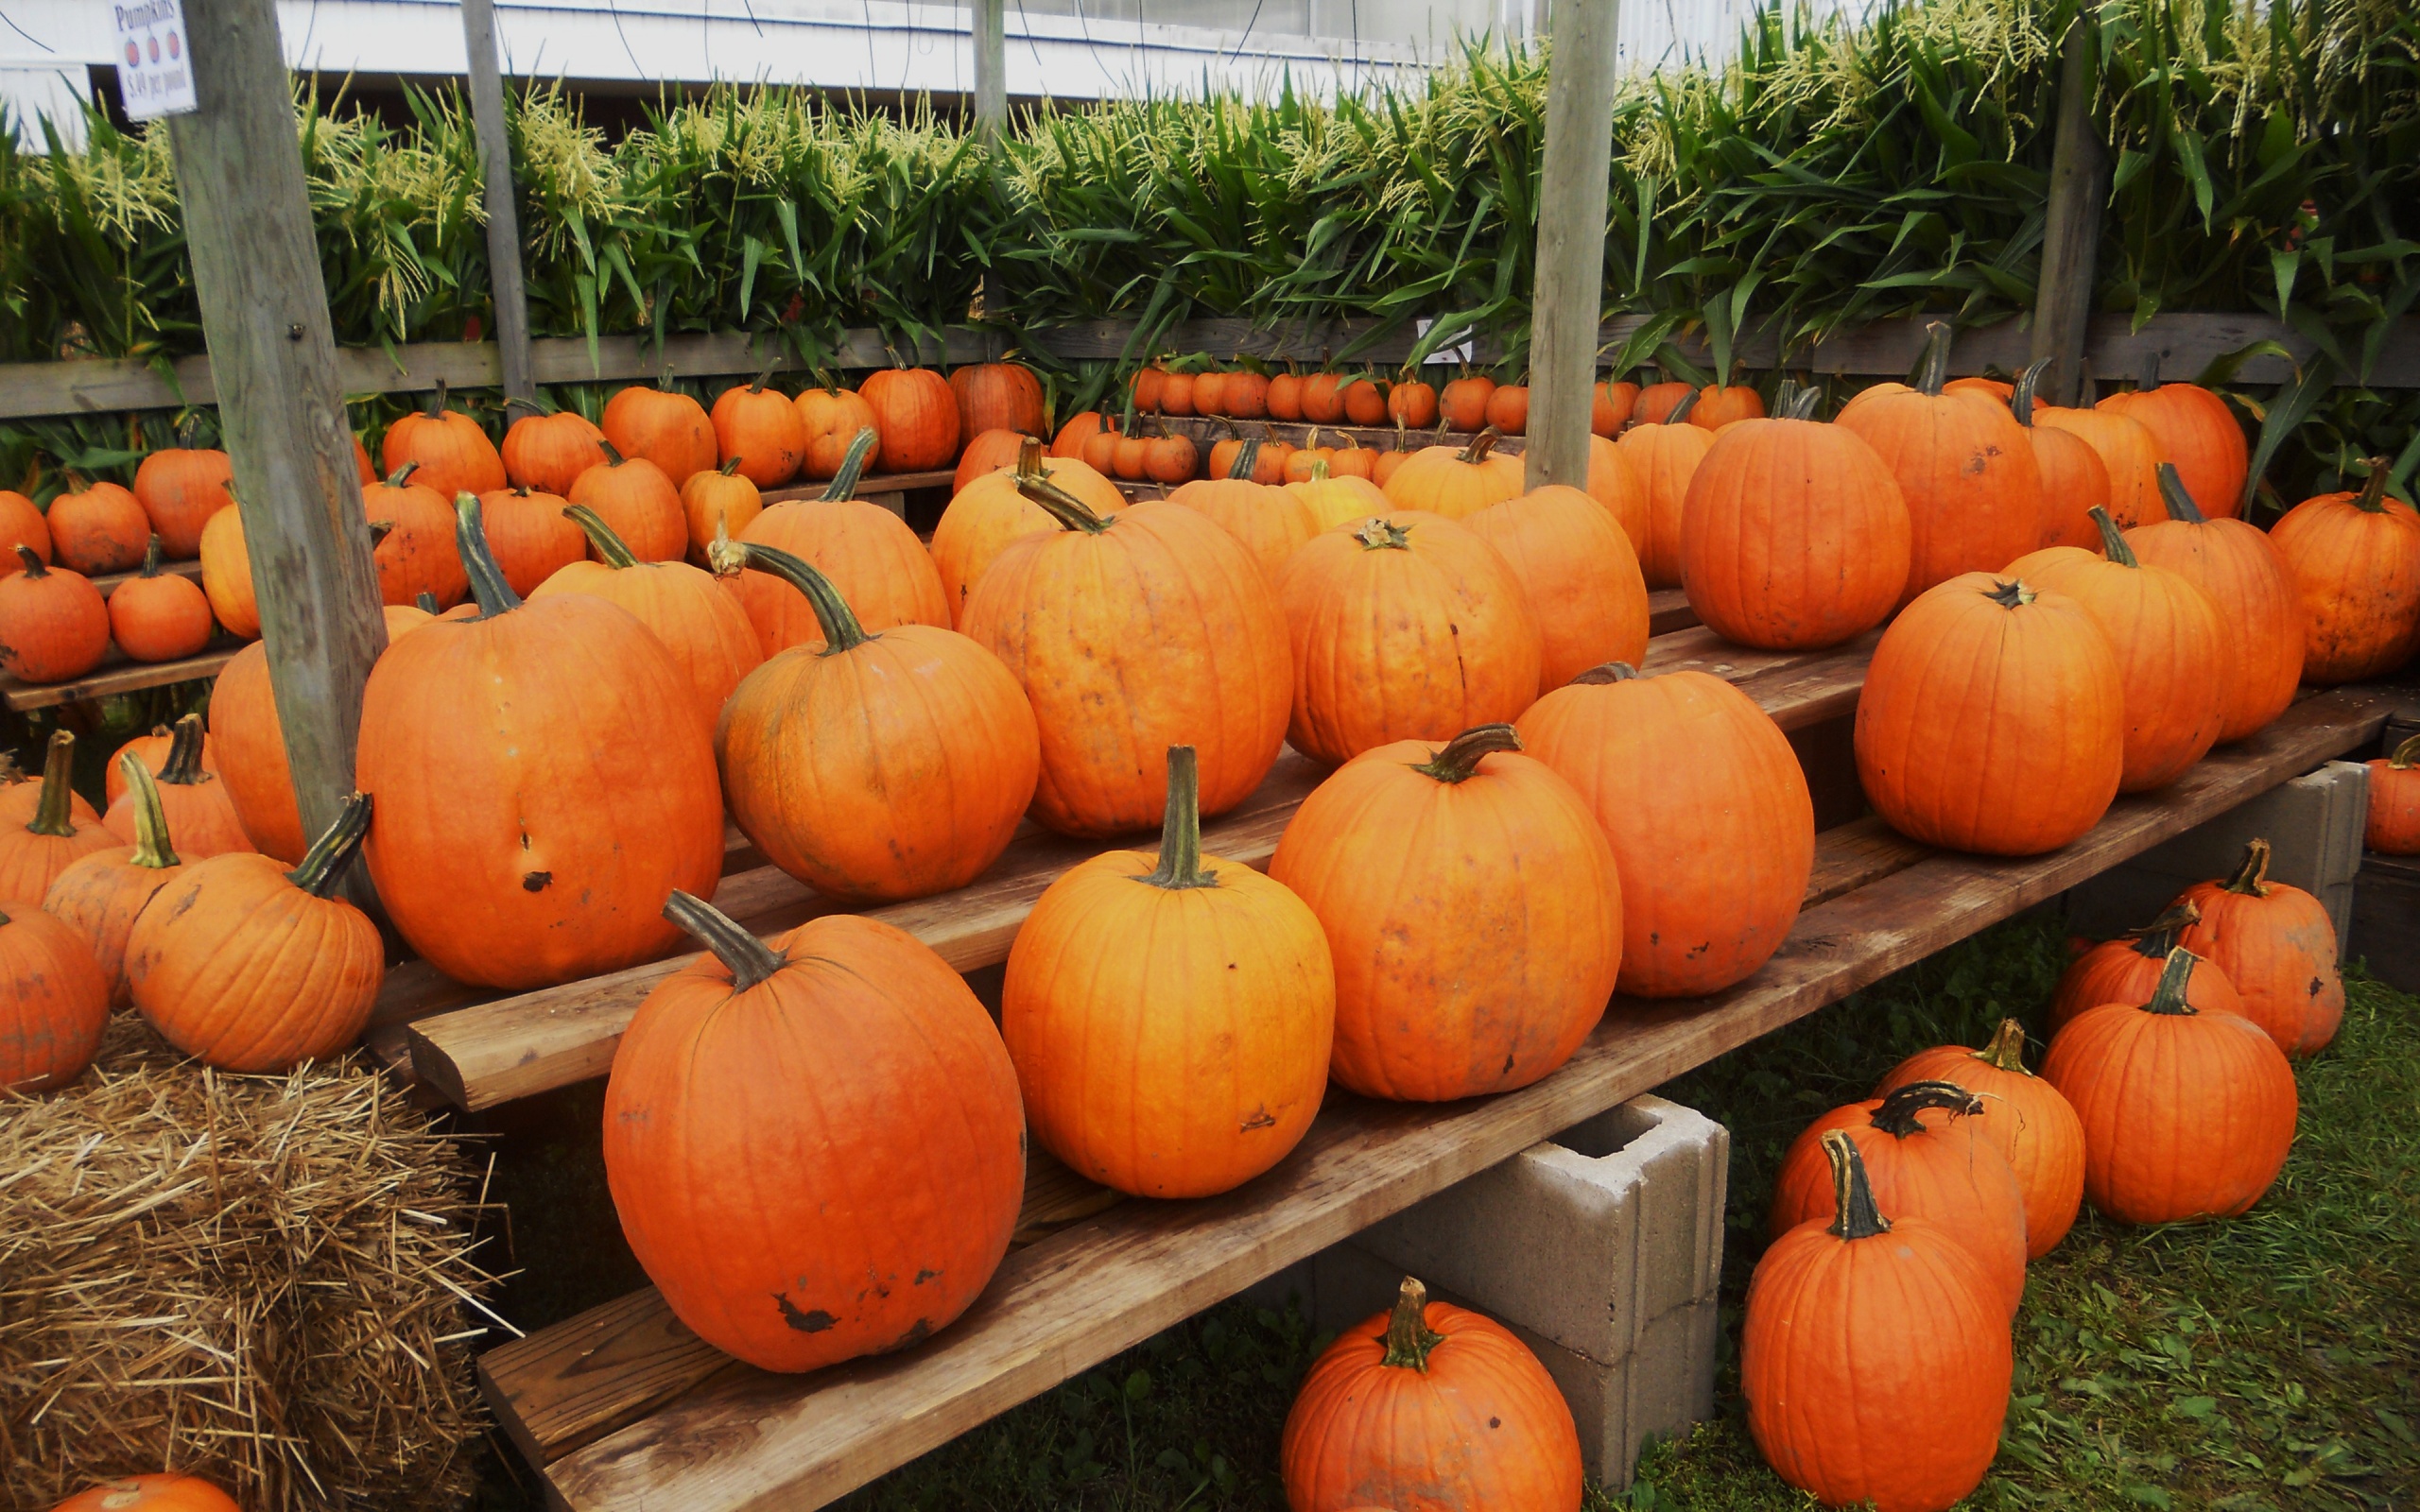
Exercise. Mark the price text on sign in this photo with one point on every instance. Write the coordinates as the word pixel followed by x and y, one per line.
pixel 154 67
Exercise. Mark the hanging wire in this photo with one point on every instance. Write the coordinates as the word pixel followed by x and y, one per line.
pixel 616 11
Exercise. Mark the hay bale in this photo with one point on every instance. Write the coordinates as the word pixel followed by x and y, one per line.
pixel 264 1279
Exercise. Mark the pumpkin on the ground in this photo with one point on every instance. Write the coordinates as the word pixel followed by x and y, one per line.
pixel 835 419
pixel 2186 1115
pixel 719 503
pixel 640 501
pixel 2234 563
pixel 1270 522
pixel 1574 564
pixel 792 1217
pixel 180 488
pixel 916 416
pixel 2199 435
pixel 547 454
pixel 1665 456
pixel 990 511
pixel 869 554
pixel 1472 908
pixel 411 526
pixel 758 433
pixel 2075 481
pixel 47 828
pixel 251 756
pixel 531 537
pixel 1455 481
pixel 2034 1129
pixel 2392 826
pixel 100 895
pixel 54 1000
pixel 156 617
pixel 2277 946
pixel 54 626
pixel 2355 559
pixel 700 621
pixel 660 426
pixel 202 818
pixel 2126 968
pixel 1115 997
pixel 1697 789
pixel 451 451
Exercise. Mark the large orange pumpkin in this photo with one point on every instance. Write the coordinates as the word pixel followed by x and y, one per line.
pixel 2023 1117
pixel 1455 481
pixel 874 559
pixel 1699 790
pixel 1145 1066
pixel 1079 616
pixel 97 528
pixel 1613 481
pixel 2198 434
pixel 548 452
pixel 1667 457
pixel 1474 910
pixel 2392 827
pixel 1575 566
pixel 989 513
pixel 1272 522
pixel 1001 396
pixel 535 804
pixel 2075 481
pixel 156 617
pixel 255 968
pixel 1429 1408
pixel 43 833
pixel 835 419
pixel 54 626
pixel 759 434
pixel 1873 1355
pixel 661 426
pixel 1335 498
pixel 917 416
pixel 2234 563
pixel 2277 946
pixel 718 504
pixel 531 537
pixel 1993 719
pixel 413 527
pixel 2126 968
pixel 180 488
pixel 150 1493
pixel 1794 535
pixel 880 766
pixel 2355 559
pixel 698 620
pixel 2186 1115
pixel 100 895
pixel 2129 453
pixel 202 819
pixel 54 1000
pixel 888 1195
pixel 451 451
pixel 640 501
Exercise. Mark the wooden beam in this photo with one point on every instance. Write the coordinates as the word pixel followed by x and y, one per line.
pixel 1567 301
pixel 990 71
pixel 257 277
pixel 501 199
pixel 114 676
pixel 2071 221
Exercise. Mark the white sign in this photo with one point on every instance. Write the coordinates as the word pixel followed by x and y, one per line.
pixel 1449 354
pixel 154 65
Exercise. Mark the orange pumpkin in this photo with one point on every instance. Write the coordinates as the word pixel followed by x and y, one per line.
pixel 1335 498
pixel 2125 970
pixel 1472 908
pixel 1508 409
pixel 989 513
pixel 2355 559
pixel 1666 457
pixel 1143 388
pixel 54 1000
pixel 2277 946
pixel 227 576
pixel 100 895
pixel 2392 827
pixel 1990 388
pixel 244 724
pixel 531 537
pixel 661 426
pixel 2075 481
pixel 640 501
pixel 988 453
pixel 1209 394
pixel 54 626
pixel 21 525
pixel 1364 403
pixel 413 525
pixel 451 451
pixel 202 819
pixel 2247 581
pixel 1076 615
pixel 1574 565
pixel 1285 396
pixel 1323 399
pixel 152 750
pixel 835 419
pixel 873 559
pixel 97 528
pixel 1081 427
pixel 1697 788
pixel 1611 408
pixel 21 797
pixel 534 803
pixel 2198 434
pixel 2023 1117
pixel 150 1493
pixel 2129 453
pixel 1455 482
pixel 1993 719
pixel 695 617
pixel 156 616
pixel 1413 404
pixel 1247 395
pixel 759 434
pixel 42 833
pixel 1170 459
pixel 1176 394
pixel 547 454
pixel 1463 402
pixel 180 488
pixel 1429 1408
pixel 916 415
pixel 1103 966
pixel 1272 523
pixel 1661 403
pixel 719 502
pixel 1719 405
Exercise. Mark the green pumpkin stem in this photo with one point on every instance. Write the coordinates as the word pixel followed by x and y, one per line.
pixel 402 475
pixel 1933 368
pixel 730 468
pixel 324 863
pixel 1246 458
pixel 184 765
pixel 1898 1114
pixel 2148 379
pixel 1854 1213
pixel 2372 499
pixel 151 555
pixel 2020 403
pixel 2169 997
pixel 2007 1050
pixel 609 544
pixel 1181 827
pixel 1458 757
pixel 2156 939
pixel 1680 415
pixel 2251 879
pixel 1410 1339
pixel 488 586
pixel 151 847
pixel 853 467
pixel 2172 493
pixel 2405 754
pixel 425 602
pixel 35 566
pixel 1609 672
pixel 1319 470
pixel 436 409
pixel 757 384
pixel 2008 593
pixel 2113 541
pixel 751 960
pixel 54 815
pixel 1481 444
pixel 614 456
pixel 1071 512
pixel 841 630
pixel 1801 403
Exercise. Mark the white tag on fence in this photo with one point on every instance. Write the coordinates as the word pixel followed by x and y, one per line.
pixel 1451 353
pixel 154 63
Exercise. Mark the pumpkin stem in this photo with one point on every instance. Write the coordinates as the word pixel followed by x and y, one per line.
pixel 151 557
pixel 2006 1049
pixel 2372 499
pixel 425 602
pixel 436 403
pixel 2251 879
pixel 1681 411
pixel 731 466
pixel 1410 1338
pixel 1458 757
pixel 488 586
pixel 1071 512
pixel 1800 404
pixel 751 960
pixel 844 483
pixel 2169 997
pixel 35 566
pixel 379 531
pixel 1854 1213
pixel 1380 534
pixel 611 546
pixel 614 456
pixel 841 631
pixel 1610 672
pixel 757 386
pixel 184 765
pixel 1181 827
pixel 151 847
pixel 2405 754
pixel 332 850
pixel 1933 368
pixel 2010 593
pixel 2020 403
pixel 2113 541
pixel 51 814
pixel 1246 458
pixel 1481 444
pixel 1897 1115
pixel 402 475
pixel 2180 503
pixel 1319 470
pixel 2156 939
pixel 2148 379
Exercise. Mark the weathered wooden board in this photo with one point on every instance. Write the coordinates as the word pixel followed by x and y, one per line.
pixel 114 675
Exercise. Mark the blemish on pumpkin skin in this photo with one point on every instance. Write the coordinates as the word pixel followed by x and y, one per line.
pixel 924 1275
pixel 1258 1118
pixel 815 1321
pixel 536 880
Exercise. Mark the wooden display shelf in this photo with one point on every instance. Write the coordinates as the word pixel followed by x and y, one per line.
pixel 868 486
pixel 623 1408
pixel 116 674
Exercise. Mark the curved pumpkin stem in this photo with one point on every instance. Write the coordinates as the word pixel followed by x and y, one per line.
pixel 184 765
pixel 609 544
pixel 425 602
pixel 2009 593
pixel 1071 512
pixel 488 586
pixel 402 475
pixel 1457 759
pixel 1800 404
pixel 1933 368
pixel 1246 458
pixel 52 815
pixel 614 456
pixel 750 960
pixel 151 554
pixel 34 565
pixel 843 486
pixel 1481 444
pixel 2372 499
pixel 841 631
pixel 2113 541
pixel 1854 1213
pixel 730 468
pixel 1410 1339
pixel 2169 997
pixel 2405 755
pixel 1681 411
pixel 2020 403
pixel 2251 879
pixel 1898 1114
pixel 2156 939
pixel 2006 1049
pixel 757 384
pixel 1597 676
pixel 151 847
pixel 436 409
pixel 1181 827
pixel 2172 493
pixel 324 863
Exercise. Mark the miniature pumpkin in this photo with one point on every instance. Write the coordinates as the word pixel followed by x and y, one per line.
pixel 531 535
pixel 1697 788
pixel 1666 457
pixel 2018 750
pixel 1143 388
pixel 1210 393
pixel 1611 408
pixel 97 528
pixel 202 819
pixel 100 895
pixel 895 1188
pixel 1335 498
pixel 1474 910
pixel 1508 409
pixel 722 501
pixel 150 1493
pixel 1364 403
pixel 1170 459
pixel 1455 482
pixel 1720 405
pixel 413 527
pixel 2126 968
pixel 2075 481
pixel 152 750
pixel 2277 946
pixel 883 766
pixel 1574 565
pixel 759 434
pixel 156 617
pixel 699 620
pixel 1873 1355
pixel 21 525
pixel 1429 1408
pixel 1272 523
pixel 2198 435
pixel 1285 396
pixel 2355 559
pixel 1463 402
pixel 2023 1117
pixel 2129 453
pixel 2186 1115
pixel 54 1000
pixel 547 454
pixel 1176 393
pixel 1323 399
pixel 989 513
pixel 256 969
pixel 640 501
pixel 2249 584
pixel 1114 995
pixel 534 803
pixel 54 626
pixel 40 840
pixel 1411 403
pixel 871 556
pixel 660 426
pixel 835 419
pixel 2392 827
pixel 226 575
pixel 180 488
pixel 916 415
pixel 988 453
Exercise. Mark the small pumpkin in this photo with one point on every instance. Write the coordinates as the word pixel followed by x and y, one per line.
pixel 531 537
pixel 1660 403
pixel 2355 559
pixel 1245 395
pixel 2186 1115
pixel 1271 523
pixel 2234 563
pixel 1335 498
pixel 1411 403
pixel 1285 396
pixel 1112 995
pixel 152 750
pixel 759 434
pixel 988 453
pixel 100 895
pixel 872 557
pixel 2023 1117
pixel 2129 453
pixel 2196 434
pixel 1665 456
pixel 1323 399
pixel 97 528
pixel 1365 404
pixel 1143 388
pixel 896 1187
pixel 1176 394
pixel 1463 402
pixel 1508 409
pixel 1428 1408
pixel 253 968
pixel 697 619
pixel 1169 457
pixel 2075 481
pixel 22 524
pixel 1210 393
pixel 989 513
pixel 156 617
pixel 1720 405
pixel 54 626
pixel 719 503
pixel 547 454
pixel 202 818
pixel 226 575
pixel 1080 428
pixel 639 500
pixel 21 796
pixel 1455 481
pixel 1611 408
pixel 2277 946
pixel 39 839
pixel 180 488
pixel 2392 826
pixel 54 1000
pixel 835 419
pixel 916 416
pixel 150 1493
pixel 413 527
pixel 2126 968
pixel 451 451
pixel 660 426
pixel 1574 565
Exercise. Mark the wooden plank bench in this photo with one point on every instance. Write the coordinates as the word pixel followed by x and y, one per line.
pixel 623 1408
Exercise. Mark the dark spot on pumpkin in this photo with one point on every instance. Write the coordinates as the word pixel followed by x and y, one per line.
pixel 1654 937
pixel 536 880
pixel 924 1275
pixel 809 1322
pixel 2314 987
pixel 1231 966
pixel 1495 1422
pixel 1258 1118
pixel 1508 1061
pixel 1701 949
pixel 917 1333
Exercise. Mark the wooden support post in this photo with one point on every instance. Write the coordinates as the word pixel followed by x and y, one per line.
pixel 272 355
pixel 2071 222
pixel 1570 289
pixel 504 208
pixel 991 107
